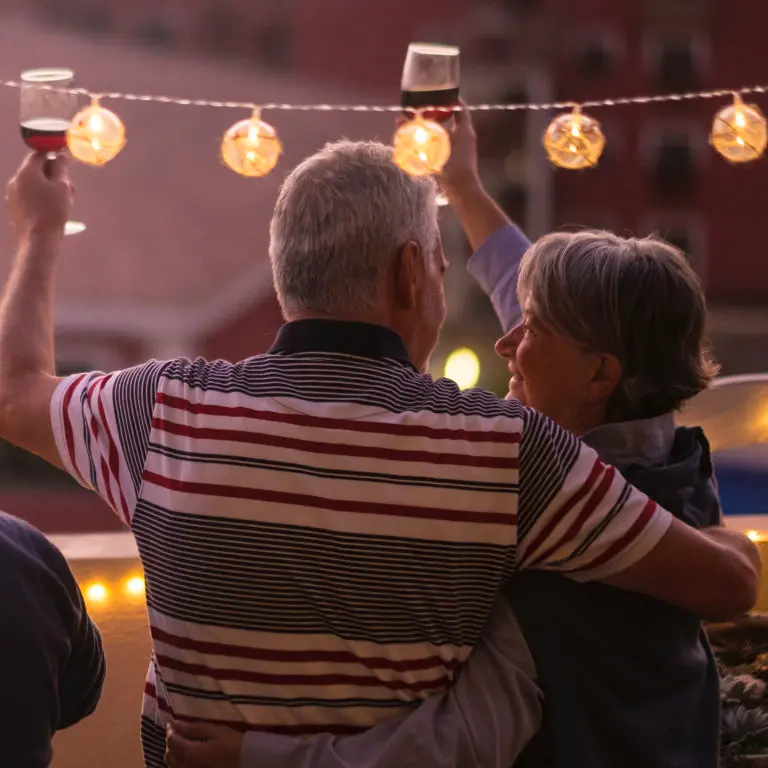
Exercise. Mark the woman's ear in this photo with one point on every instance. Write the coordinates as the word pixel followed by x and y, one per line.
pixel 606 376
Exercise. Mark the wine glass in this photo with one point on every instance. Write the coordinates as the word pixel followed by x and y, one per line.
pixel 45 115
pixel 431 79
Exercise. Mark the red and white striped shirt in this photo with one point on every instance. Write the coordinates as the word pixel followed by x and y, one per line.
pixel 323 533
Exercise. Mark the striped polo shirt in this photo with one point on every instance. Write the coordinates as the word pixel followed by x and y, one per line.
pixel 324 529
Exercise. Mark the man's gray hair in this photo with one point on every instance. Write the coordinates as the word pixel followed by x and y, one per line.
pixel 341 218
pixel 637 299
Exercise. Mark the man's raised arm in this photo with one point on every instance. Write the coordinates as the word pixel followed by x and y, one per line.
pixel 39 198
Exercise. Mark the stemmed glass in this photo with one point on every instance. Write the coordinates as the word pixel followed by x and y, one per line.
pixel 431 79
pixel 45 115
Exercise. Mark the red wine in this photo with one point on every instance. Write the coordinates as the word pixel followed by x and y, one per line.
pixel 438 97
pixel 45 134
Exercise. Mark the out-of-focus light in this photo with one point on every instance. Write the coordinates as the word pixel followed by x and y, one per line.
pixel 755 536
pixel 463 367
pixel 762 421
pixel 739 132
pixel 135 586
pixel 574 140
pixel 96 593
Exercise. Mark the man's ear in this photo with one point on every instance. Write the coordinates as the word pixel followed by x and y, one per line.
pixel 409 275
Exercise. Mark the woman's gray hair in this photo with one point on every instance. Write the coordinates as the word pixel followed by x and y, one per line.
pixel 636 299
pixel 341 218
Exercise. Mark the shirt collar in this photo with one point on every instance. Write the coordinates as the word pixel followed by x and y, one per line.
pixel 644 441
pixel 340 336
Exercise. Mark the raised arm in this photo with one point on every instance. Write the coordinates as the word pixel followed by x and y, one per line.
pixel 95 426
pixel 39 198
pixel 483 721
pixel 497 243
pixel 581 518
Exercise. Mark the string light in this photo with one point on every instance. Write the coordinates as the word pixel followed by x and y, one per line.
pixel 251 147
pixel 421 147
pixel 739 132
pixel 286 107
pixel 574 140
pixel 134 586
pixel 96 135
pixel 96 593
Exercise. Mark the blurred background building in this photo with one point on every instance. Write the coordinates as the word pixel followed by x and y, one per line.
pixel 174 258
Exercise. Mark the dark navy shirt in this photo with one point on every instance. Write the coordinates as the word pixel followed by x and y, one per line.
pixel 51 659
pixel 628 680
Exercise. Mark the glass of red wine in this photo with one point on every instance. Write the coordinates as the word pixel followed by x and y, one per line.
pixel 47 108
pixel 430 84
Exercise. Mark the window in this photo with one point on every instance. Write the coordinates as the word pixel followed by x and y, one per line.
pixel 272 44
pixel 500 133
pixel 674 150
pixel 492 48
pixel 673 168
pixel 155 33
pixel 596 51
pixel 512 200
pixel 677 62
pixel 683 229
pixel 96 21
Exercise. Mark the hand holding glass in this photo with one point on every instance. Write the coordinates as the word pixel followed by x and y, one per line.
pixel 431 79
pixel 47 108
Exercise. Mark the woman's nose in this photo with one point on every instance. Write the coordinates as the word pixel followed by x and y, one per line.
pixel 507 345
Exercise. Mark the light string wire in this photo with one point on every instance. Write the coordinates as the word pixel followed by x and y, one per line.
pixel 285 107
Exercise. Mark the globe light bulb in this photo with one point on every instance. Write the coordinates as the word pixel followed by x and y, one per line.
pixel 96 135
pixel 251 147
pixel 421 147
pixel 739 132
pixel 574 140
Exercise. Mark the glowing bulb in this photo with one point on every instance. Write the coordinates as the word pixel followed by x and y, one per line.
pixel 421 147
pixel 135 586
pixel 753 535
pixel 251 147
pixel 739 132
pixel 96 593
pixel 463 367
pixel 95 135
pixel 574 140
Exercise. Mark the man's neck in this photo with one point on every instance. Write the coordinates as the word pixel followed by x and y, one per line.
pixel 374 316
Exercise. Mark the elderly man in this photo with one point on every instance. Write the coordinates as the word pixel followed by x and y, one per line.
pixel 324 528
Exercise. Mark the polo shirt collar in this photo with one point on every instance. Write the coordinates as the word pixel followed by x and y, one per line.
pixel 342 337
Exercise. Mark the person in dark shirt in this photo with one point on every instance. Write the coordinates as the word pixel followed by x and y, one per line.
pixel 52 663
